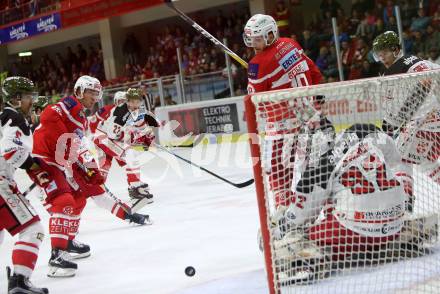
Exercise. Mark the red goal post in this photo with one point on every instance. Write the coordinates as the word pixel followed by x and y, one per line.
pixel 365 101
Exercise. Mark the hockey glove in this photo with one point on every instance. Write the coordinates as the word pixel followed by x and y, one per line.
pixel 38 175
pixel 142 139
pixel 92 175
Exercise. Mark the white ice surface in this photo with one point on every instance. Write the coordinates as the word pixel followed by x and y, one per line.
pixel 199 221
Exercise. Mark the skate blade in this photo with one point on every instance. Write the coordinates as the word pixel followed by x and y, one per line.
pixel 79 256
pixel 138 204
pixel 148 222
pixel 56 272
pixel 25 291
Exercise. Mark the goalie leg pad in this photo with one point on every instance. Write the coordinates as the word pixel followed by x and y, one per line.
pixel 299 260
pixel 418 236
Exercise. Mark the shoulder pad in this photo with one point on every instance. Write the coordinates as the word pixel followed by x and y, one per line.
pixel 17 120
pixel 121 114
pixel 69 102
pixel 253 70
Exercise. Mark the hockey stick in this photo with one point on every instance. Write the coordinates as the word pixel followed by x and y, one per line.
pixel 237 185
pixel 29 189
pixel 205 33
pixel 116 199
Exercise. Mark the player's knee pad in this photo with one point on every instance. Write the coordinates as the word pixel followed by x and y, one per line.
pixel 33 234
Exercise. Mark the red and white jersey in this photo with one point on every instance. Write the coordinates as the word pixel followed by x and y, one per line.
pixel 102 114
pixel 58 122
pixel 371 186
pixel 367 189
pixel 418 93
pixel 282 65
pixel 113 133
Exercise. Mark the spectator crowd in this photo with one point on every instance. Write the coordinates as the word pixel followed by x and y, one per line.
pixel 359 27
pixel 156 55
pixel 15 10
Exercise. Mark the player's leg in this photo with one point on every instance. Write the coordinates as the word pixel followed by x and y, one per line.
pixel 18 217
pixel 119 209
pixel 278 164
pixel 76 248
pixel 108 201
pixel 137 189
pixel 61 210
pixel 60 204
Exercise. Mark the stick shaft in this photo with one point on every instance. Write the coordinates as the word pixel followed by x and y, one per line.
pixel 238 185
pixel 207 34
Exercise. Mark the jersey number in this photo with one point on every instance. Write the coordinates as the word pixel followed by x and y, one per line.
pixel 116 129
pixel 299 80
pixel 354 179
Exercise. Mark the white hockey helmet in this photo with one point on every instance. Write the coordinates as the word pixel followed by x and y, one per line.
pixel 87 82
pixel 260 25
pixel 119 96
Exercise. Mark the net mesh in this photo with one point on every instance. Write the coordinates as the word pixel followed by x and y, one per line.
pixel 352 203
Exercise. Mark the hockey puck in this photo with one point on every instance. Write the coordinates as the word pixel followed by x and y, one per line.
pixel 190 271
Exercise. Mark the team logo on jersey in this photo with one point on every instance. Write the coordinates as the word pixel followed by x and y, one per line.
pixel 68 210
pixel 409 60
pixel 17 140
pixel 290 59
pixel 69 102
pixel 51 187
pixel 253 70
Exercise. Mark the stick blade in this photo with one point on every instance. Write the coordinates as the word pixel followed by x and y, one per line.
pixel 244 184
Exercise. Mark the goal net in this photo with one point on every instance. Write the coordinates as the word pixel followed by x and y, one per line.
pixel 347 203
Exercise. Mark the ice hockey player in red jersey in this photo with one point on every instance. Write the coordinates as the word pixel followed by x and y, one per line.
pixel 279 63
pixel 17 216
pixel 61 146
pixel 123 128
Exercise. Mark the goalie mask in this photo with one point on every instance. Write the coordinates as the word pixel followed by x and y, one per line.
pixel 87 83
pixel 258 29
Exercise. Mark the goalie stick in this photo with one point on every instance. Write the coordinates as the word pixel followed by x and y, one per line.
pixel 205 33
pixel 237 185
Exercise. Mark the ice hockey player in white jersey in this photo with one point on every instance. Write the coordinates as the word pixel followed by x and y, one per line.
pixel 17 216
pixel 125 127
pixel 412 114
pixel 350 201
